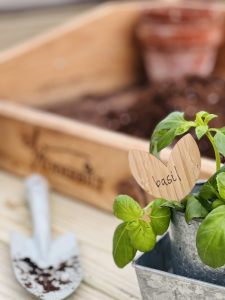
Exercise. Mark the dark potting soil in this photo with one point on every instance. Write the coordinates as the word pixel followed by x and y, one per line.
pixel 45 280
pixel 138 110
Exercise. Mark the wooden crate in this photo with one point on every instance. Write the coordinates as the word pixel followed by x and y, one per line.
pixel 93 54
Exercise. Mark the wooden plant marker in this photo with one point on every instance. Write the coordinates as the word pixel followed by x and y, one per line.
pixel 171 182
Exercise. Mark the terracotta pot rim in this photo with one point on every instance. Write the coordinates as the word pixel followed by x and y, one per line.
pixel 182 16
pixel 190 35
pixel 196 31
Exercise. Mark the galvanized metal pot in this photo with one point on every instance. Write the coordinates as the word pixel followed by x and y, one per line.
pixel 156 281
pixel 185 259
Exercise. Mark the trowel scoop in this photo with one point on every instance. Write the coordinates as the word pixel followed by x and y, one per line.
pixel 49 269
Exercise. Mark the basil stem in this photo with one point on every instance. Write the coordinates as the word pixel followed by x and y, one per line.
pixel 218 163
pixel 208 134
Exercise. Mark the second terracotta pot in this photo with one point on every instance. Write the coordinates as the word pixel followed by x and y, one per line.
pixel 178 41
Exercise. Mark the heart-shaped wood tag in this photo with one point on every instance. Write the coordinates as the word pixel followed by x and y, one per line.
pixel 171 182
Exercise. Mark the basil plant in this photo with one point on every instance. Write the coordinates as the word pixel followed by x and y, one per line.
pixel 137 234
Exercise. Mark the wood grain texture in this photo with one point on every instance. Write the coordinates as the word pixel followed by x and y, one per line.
pixel 92 54
pixel 171 182
pixel 64 150
pixel 83 161
pixel 102 279
pixel 34 141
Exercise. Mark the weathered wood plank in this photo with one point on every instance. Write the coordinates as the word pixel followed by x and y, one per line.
pixel 95 53
pixel 78 159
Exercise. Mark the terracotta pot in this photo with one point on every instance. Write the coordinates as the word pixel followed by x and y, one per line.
pixel 179 41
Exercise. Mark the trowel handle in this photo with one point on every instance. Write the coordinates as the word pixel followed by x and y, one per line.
pixel 37 193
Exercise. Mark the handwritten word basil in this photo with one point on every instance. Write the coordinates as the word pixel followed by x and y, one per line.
pixel 126 209
pixel 123 251
pixel 173 204
pixel 210 240
pixel 160 217
pixel 143 237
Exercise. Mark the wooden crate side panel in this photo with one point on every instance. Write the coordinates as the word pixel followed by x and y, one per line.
pixel 96 54
pixel 80 160
pixel 92 172
pixel 83 169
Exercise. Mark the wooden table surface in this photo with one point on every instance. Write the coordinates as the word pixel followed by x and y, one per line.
pixel 20 26
pixel 102 280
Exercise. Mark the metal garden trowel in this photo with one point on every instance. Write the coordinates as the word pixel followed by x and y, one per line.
pixel 50 270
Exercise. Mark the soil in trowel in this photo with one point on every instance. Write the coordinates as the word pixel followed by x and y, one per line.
pixel 45 280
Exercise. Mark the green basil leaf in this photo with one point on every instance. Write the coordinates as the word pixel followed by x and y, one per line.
pixel 184 127
pixel 160 217
pixel 154 143
pixel 203 114
pixel 210 189
pixel 185 200
pixel 194 209
pixel 221 184
pixel 143 237
pixel 201 130
pixel 191 123
pixel 205 203
pixel 126 209
pixel 164 132
pixel 222 130
pixel 123 251
pixel 173 204
pixel 199 116
pixel 172 119
pixel 133 225
pixel 219 140
pixel 167 139
pixel 209 117
pixel 210 240
pixel 217 203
